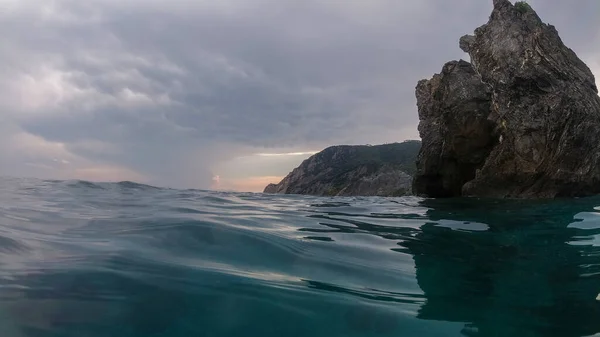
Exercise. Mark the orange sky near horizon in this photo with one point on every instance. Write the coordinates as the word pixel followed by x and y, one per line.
pixel 252 184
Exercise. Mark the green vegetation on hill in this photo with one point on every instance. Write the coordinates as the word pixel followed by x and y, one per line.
pixel 522 6
pixel 401 155
pixel 339 165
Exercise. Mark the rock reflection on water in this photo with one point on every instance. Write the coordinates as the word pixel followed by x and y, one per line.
pixel 529 274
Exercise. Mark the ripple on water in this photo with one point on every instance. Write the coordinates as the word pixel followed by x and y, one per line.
pixel 125 259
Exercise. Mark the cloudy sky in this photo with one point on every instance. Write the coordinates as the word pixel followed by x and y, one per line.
pixel 175 93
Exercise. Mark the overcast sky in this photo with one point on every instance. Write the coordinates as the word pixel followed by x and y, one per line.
pixel 174 93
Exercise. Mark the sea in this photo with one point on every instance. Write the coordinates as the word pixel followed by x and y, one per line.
pixel 83 259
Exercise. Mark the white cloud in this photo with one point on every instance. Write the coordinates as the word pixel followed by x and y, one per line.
pixel 46 89
pixel 24 154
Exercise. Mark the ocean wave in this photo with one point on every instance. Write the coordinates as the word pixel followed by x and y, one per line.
pixel 125 259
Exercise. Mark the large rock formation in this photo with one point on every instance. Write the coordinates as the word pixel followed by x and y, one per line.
pixel 382 170
pixel 521 120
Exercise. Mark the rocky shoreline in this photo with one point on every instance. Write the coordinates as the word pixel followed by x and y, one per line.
pixel 381 170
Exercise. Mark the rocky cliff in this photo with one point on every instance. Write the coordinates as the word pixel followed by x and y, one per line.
pixel 382 170
pixel 522 119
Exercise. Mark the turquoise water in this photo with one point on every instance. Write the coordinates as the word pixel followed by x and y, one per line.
pixel 80 259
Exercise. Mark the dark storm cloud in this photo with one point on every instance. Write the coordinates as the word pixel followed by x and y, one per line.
pixel 168 88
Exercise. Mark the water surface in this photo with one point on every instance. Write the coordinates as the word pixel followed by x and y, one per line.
pixel 80 259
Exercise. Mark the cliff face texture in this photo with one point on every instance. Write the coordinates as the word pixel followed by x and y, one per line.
pixel 382 170
pixel 457 136
pixel 521 120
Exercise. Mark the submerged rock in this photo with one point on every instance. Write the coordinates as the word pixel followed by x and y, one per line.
pixel 521 120
pixel 382 170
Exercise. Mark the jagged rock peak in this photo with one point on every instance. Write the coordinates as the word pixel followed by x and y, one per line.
pixel 543 111
pixel 501 3
pixel 514 41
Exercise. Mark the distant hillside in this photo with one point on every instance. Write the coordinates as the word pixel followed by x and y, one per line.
pixel 343 170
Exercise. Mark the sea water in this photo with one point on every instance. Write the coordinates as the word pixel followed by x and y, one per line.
pixel 81 259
